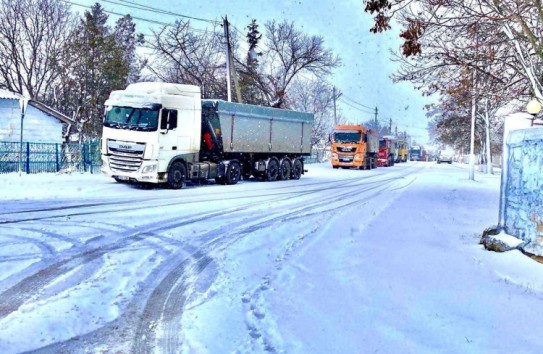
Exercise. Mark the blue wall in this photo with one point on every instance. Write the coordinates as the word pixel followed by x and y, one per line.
pixel 38 126
pixel 524 188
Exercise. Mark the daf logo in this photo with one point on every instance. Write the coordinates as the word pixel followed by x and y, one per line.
pixel 128 147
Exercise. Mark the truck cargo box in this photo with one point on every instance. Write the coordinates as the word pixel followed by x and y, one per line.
pixel 247 128
pixel 373 141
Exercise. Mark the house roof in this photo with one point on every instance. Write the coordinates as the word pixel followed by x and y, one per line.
pixel 5 94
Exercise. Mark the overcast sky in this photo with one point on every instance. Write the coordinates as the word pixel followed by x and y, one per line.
pixel 364 76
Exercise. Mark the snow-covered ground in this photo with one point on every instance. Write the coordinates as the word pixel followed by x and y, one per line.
pixel 341 261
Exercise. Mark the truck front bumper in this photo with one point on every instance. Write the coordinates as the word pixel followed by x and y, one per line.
pixel 147 172
pixel 347 160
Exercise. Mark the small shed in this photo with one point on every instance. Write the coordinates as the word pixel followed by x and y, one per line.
pixel 41 123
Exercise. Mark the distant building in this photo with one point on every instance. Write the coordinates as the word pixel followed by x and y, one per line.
pixel 41 123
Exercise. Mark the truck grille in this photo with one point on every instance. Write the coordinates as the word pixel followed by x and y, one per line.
pixel 123 159
pixel 346 148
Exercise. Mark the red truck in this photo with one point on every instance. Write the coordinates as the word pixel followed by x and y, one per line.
pixel 387 151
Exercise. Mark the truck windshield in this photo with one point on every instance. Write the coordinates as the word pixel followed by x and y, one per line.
pixel 382 143
pixel 144 119
pixel 347 137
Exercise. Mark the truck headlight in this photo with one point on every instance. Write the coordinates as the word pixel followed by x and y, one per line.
pixel 357 157
pixel 334 155
pixel 149 169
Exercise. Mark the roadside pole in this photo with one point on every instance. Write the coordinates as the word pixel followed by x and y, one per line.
pixel 23 102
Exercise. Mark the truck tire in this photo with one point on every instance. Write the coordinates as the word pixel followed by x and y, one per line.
pixel 233 173
pixel 176 175
pixel 272 171
pixel 285 169
pixel 297 169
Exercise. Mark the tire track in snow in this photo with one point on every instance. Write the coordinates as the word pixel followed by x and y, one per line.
pixel 31 284
pixel 172 305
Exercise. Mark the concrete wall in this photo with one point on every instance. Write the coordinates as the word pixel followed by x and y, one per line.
pixel 523 207
pixel 38 126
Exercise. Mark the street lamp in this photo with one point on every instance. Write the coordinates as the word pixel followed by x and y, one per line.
pixel 533 107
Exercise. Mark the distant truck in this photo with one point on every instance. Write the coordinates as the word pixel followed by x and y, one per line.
pixel 415 153
pixel 403 150
pixel 164 133
pixel 354 146
pixel 388 151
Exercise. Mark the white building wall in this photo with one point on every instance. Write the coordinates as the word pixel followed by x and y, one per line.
pixel 38 126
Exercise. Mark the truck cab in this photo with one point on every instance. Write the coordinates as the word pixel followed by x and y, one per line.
pixel 387 151
pixel 353 146
pixel 146 126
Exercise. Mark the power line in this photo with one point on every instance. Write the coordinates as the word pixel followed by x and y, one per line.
pixel 135 17
pixel 358 103
pixel 355 107
pixel 137 6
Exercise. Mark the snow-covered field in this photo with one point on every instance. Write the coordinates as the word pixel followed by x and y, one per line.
pixel 341 261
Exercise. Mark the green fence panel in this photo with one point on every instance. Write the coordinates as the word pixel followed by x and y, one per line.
pixel 49 157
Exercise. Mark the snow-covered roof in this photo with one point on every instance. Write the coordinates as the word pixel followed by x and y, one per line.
pixel 5 94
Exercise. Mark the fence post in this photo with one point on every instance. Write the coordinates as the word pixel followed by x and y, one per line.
pixel 56 157
pixel 84 157
pixel 27 158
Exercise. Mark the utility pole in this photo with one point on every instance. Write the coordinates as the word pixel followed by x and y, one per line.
pixel 335 114
pixel 335 97
pixel 230 69
pixel 396 133
pixel 376 122
pixel 390 127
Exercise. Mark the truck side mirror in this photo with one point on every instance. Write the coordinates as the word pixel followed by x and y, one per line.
pixel 172 120
pixel 329 138
pixel 164 120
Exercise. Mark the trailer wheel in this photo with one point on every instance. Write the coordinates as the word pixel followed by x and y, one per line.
pixel 233 174
pixel 176 175
pixel 297 169
pixel 273 170
pixel 285 169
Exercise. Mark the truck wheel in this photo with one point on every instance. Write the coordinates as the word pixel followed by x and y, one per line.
pixel 176 175
pixel 233 174
pixel 273 170
pixel 297 168
pixel 284 169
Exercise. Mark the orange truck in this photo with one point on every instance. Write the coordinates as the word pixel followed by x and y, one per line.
pixel 354 146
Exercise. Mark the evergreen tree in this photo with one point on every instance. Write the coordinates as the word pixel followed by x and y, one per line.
pixel 249 76
pixel 102 63
pixel 127 39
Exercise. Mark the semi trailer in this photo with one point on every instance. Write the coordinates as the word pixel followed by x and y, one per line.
pixel 165 133
pixel 354 146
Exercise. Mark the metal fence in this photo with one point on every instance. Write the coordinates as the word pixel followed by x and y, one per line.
pixel 49 157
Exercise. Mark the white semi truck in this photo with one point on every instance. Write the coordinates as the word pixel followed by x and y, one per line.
pixel 165 133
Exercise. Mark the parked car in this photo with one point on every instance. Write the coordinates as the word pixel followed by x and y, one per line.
pixel 445 156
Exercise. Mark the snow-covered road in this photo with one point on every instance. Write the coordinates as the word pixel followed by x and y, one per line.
pixel 341 261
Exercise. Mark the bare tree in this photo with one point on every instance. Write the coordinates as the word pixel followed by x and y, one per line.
pixel 184 55
pixel 317 97
pixel 33 36
pixel 291 53
pixel 509 32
